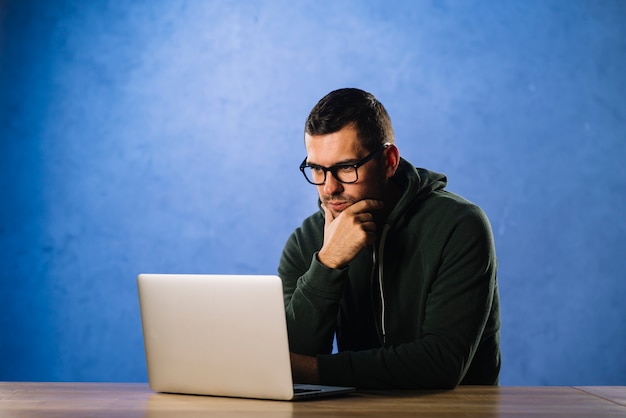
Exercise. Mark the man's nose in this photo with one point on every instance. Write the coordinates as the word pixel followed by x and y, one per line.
pixel 332 185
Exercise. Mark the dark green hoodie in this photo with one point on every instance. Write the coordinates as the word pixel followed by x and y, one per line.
pixel 419 309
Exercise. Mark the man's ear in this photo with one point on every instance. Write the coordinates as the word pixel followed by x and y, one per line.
pixel 392 160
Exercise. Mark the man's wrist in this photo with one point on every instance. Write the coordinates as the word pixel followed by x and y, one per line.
pixel 327 261
pixel 304 369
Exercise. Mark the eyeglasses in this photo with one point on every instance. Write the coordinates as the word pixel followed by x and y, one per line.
pixel 344 173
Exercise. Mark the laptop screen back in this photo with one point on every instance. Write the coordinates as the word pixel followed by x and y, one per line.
pixel 222 335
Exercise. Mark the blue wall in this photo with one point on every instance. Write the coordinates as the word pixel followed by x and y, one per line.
pixel 164 136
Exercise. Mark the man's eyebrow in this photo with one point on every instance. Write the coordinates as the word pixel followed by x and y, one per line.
pixel 350 161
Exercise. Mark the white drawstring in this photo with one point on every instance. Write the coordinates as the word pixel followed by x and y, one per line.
pixel 381 247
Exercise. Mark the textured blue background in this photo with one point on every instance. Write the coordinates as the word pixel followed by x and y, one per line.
pixel 164 136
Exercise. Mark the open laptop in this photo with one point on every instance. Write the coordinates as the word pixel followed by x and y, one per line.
pixel 220 335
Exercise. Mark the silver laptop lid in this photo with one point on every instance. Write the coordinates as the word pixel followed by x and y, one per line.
pixel 222 335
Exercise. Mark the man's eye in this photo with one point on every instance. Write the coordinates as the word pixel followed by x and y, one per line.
pixel 317 169
pixel 345 168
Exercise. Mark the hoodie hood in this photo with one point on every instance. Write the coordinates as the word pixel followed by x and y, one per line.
pixel 415 184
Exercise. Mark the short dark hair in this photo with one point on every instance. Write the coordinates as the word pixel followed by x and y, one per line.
pixel 347 106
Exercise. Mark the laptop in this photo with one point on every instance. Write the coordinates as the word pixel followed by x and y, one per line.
pixel 219 335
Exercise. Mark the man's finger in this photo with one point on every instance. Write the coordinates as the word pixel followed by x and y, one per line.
pixel 328 215
pixel 364 217
pixel 365 205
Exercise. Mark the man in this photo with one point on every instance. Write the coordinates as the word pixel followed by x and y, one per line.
pixel 401 271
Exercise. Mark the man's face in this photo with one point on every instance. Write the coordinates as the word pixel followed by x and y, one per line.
pixel 343 147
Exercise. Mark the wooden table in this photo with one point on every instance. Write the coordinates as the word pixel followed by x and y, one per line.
pixel 137 400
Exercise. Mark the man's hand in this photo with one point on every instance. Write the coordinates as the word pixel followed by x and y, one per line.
pixel 348 233
pixel 304 369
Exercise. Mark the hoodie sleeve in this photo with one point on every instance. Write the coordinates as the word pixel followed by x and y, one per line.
pixel 312 292
pixel 456 317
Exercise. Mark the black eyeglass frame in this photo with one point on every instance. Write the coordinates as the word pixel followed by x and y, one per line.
pixel 333 170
